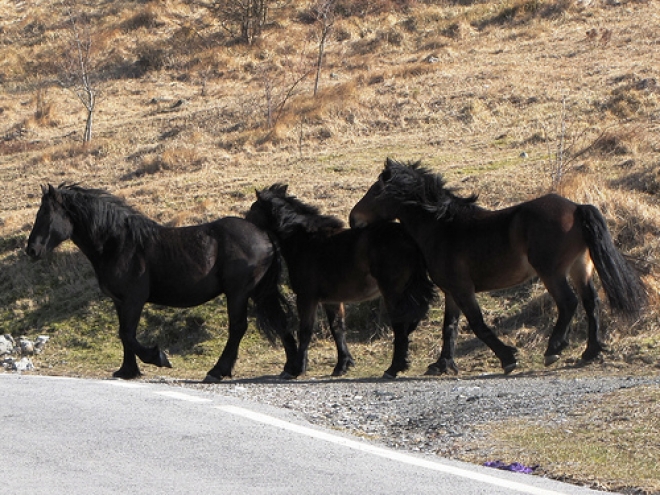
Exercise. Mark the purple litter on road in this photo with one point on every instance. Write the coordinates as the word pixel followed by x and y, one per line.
pixel 516 467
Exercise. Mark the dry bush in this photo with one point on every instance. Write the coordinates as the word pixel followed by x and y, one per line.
pixel 313 108
pixel 364 8
pixel 646 180
pixel 632 219
pixel 44 114
pixel 13 64
pixel 458 30
pixel 148 18
pixel 414 70
pixel 180 159
pixel 618 141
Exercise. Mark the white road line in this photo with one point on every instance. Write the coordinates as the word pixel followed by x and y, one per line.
pixel 185 397
pixel 124 384
pixel 386 453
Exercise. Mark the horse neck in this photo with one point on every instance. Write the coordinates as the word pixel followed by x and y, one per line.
pixel 93 242
pixel 419 223
pixel 82 239
pixel 292 244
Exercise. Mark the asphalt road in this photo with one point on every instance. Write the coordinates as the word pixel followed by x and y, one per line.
pixel 71 436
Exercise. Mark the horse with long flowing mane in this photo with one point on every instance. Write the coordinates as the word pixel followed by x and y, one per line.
pixel 330 264
pixel 469 249
pixel 136 261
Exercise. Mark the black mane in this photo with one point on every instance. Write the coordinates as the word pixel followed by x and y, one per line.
pixel 291 215
pixel 413 184
pixel 105 216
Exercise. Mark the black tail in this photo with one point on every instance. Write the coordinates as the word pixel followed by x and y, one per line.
pixel 397 254
pixel 419 294
pixel 271 307
pixel 625 291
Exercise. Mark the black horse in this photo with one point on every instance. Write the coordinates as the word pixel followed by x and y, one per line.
pixel 137 261
pixel 330 264
pixel 469 249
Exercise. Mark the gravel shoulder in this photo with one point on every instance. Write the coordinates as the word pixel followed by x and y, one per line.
pixel 448 416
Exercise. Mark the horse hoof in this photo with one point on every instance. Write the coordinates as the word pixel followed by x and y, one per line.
pixel 126 375
pixel 164 362
pixel 552 359
pixel 433 371
pixel 509 368
pixel 211 379
pixel 388 376
pixel 589 360
pixel 285 375
pixel 444 366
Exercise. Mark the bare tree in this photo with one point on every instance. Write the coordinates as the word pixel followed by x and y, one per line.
pixel 324 12
pixel 77 69
pixel 243 19
pixel 280 85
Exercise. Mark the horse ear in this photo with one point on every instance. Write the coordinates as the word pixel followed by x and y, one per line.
pixel 256 193
pixel 54 193
pixel 44 189
pixel 386 174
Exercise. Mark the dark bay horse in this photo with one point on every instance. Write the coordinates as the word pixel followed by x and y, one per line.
pixel 137 261
pixel 469 249
pixel 331 264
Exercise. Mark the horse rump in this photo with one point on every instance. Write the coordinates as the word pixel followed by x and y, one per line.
pixel 273 311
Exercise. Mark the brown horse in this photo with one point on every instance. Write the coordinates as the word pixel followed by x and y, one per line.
pixel 469 249
pixel 330 264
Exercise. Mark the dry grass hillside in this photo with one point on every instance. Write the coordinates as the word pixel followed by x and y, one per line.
pixel 506 98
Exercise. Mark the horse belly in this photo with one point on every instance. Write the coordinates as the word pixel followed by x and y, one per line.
pixel 353 290
pixel 185 293
pixel 504 275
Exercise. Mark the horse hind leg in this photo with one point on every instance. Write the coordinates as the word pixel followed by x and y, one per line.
pixel 567 303
pixel 581 275
pixel 337 320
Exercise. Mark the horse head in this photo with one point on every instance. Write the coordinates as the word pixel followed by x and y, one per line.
pixel 264 211
pixel 380 202
pixel 52 225
pixel 284 214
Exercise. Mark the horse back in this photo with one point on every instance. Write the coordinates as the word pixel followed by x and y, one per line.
pixel 191 265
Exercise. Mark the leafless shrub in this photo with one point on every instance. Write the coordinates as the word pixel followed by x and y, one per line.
pixel 244 20
pixel 79 64
pixel 44 114
pixel 566 145
pixel 145 18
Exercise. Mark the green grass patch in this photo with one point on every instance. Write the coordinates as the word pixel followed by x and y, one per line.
pixel 609 439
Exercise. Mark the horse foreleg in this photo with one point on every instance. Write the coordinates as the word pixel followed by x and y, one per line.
pixel 337 320
pixel 470 308
pixel 445 362
pixel 566 302
pixel 129 317
pixel 237 312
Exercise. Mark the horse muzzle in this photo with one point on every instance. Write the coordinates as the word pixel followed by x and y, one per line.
pixel 356 221
pixel 35 250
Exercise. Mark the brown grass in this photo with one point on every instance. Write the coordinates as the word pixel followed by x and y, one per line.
pixel 480 91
